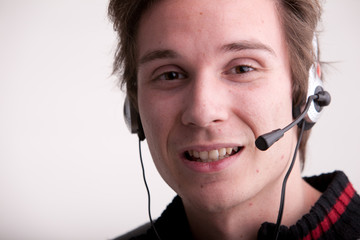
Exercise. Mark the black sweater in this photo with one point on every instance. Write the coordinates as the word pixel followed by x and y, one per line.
pixel 336 215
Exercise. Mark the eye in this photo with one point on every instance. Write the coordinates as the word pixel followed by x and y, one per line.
pixel 241 69
pixel 169 76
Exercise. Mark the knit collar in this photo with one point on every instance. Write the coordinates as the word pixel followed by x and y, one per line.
pixel 334 216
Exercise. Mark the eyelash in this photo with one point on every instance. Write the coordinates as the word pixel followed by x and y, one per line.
pixel 174 75
pixel 245 69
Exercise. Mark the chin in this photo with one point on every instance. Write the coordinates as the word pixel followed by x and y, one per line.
pixel 215 198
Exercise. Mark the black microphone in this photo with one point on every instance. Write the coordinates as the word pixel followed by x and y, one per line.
pixel 265 141
pixel 324 98
pixel 320 99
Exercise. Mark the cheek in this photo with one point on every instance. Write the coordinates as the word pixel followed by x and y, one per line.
pixel 158 123
pixel 265 108
pixel 151 119
pixel 159 111
pixel 155 128
pixel 157 118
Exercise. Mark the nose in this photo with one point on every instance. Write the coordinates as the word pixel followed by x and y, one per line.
pixel 205 103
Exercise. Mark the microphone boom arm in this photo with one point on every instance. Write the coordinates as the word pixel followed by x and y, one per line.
pixel 267 140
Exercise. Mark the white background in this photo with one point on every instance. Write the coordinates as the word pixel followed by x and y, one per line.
pixel 69 169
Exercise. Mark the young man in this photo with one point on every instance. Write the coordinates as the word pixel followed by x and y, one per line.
pixel 207 78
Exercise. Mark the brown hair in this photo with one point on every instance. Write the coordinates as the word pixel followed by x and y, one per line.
pixel 299 19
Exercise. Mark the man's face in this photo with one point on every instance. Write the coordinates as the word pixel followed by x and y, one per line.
pixel 212 77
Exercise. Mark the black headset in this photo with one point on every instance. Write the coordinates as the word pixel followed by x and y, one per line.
pixel 132 119
pixel 315 86
pixel 316 99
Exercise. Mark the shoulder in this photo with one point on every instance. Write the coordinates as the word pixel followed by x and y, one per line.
pixel 137 233
pixel 338 208
pixel 172 224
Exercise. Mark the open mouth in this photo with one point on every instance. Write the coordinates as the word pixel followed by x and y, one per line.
pixel 211 156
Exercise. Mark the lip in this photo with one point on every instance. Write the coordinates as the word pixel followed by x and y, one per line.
pixel 210 167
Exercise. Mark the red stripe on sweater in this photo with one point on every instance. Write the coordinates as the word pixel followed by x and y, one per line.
pixel 337 210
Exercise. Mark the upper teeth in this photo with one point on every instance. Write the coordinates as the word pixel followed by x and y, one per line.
pixel 213 155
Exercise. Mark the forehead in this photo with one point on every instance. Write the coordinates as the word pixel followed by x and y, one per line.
pixel 204 24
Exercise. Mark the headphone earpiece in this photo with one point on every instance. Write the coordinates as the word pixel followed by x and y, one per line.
pixel 315 86
pixel 132 119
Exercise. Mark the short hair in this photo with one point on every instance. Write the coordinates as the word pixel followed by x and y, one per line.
pixel 299 19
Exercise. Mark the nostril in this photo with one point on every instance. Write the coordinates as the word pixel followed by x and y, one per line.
pixel 203 117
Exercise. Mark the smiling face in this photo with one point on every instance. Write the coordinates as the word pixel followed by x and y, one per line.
pixel 212 77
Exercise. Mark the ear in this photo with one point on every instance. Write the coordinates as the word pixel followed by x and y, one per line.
pixel 318 70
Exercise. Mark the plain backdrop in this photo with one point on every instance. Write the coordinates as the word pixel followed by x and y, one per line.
pixel 69 169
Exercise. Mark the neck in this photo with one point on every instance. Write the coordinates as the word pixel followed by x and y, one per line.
pixel 225 225
pixel 244 220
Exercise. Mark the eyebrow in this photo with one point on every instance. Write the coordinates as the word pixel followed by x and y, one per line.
pixel 158 54
pixel 231 47
pixel 247 45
